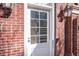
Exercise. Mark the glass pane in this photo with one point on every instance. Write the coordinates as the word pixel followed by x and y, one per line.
pixel 43 39
pixel 35 14
pixel 37 39
pixel 43 31
pixel 43 23
pixel 34 31
pixel 34 39
pixel 34 23
pixel 43 15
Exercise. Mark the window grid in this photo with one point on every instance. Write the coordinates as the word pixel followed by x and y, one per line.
pixel 39 28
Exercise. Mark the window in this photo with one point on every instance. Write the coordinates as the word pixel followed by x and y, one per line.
pixel 38 26
pixel 35 14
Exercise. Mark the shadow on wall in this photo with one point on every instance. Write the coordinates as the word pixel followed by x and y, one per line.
pixel 74 36
pixel 57 47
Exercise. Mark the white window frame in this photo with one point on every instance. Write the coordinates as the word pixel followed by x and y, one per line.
pixel 47 23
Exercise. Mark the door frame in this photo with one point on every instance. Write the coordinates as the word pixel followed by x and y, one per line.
pixel 51 28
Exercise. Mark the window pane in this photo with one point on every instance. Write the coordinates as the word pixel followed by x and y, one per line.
pixel 43 31
pixel 43 15
pixel 43 23
pixel 37 39
pixel 34 23
pixel 43 39
pixel 35 14
pixel 34 39
pixel 34 31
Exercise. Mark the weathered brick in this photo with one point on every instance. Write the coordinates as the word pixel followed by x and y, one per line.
pixel 12 34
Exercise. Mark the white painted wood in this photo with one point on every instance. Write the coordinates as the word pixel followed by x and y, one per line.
pixel 28 48
pixel 38 49
pixel 75 11
pixel 26 30
pixel 39 6
pixel 52 31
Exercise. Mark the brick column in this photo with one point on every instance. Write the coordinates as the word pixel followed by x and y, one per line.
pixel 77 35
pixel 68 36
pixel 74 35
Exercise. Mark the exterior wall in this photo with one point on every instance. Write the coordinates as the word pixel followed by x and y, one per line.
pixel 74 33
pixel 72 46
pixel 78 35
pixel 59 31
pixel 11 32
pixel 68 36
pixel 75 42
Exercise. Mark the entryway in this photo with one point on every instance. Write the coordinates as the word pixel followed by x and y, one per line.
pixel 38 41
pixel 38 38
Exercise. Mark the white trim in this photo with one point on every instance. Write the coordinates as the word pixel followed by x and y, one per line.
pixel 26 17
pixel 39 6
pixel 75 11
pixel 51 9
pixel 52 31
pixel 25 51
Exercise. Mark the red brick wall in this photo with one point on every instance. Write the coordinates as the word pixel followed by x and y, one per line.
pixel 75 42
pixel 78 35
pixel 11 35
pixel 68 36
pixel 74 33
pixel 59 31
pixel 73 45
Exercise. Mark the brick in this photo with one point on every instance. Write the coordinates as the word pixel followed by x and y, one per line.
pixel 12 32
pixel 59 32
pixel 74 33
